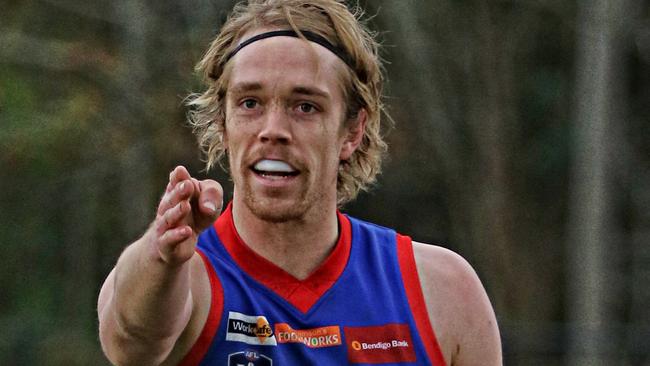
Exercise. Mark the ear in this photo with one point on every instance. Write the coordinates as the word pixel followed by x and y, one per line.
pixel 354 135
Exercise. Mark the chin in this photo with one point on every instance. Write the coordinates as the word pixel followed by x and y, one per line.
pixel 276 210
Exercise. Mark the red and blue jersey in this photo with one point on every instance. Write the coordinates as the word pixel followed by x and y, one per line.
pixel 362 306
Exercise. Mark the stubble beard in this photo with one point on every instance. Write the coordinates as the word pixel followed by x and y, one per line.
pixel 281 209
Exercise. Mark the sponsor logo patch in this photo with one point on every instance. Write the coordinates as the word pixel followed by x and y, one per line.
pixel 379 344
pixel 313 338
pixel 249 358
pixel 250 329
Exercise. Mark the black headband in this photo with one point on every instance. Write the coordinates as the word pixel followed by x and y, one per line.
pixel 311 36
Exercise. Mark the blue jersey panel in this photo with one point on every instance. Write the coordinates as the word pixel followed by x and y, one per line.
pixel 363 318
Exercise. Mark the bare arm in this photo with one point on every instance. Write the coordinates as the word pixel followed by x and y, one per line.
pixel 459 308
pixel 147 301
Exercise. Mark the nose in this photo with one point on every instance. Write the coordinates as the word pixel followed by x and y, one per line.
pixel 276 126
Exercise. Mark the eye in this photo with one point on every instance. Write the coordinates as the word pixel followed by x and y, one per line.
pixel 249 103
pixel 306 108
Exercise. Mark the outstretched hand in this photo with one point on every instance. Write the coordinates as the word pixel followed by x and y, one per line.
pixel 188 207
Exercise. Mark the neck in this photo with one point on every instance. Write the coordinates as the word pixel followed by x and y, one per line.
pixel 297 246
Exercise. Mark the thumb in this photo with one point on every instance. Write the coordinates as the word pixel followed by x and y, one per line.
pixel 210 203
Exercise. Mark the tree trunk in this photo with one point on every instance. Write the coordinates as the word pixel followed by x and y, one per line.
pixel 589 271
pixel 135 163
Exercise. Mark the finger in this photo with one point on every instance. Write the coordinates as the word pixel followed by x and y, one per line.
pixel 174 247
pixel 183 191
pixel 179 174
pixel 174 236
pixel 197 183
pixel 196 193
pixel 174 216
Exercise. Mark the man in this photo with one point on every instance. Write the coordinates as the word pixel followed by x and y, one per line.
pixel 282 277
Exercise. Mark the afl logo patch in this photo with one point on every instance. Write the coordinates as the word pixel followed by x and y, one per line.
pixel 249 358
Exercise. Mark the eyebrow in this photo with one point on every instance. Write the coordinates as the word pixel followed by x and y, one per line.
pixel 245 87
pixel 303 90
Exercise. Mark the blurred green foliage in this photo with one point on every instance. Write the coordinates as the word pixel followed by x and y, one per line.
pixel 483 93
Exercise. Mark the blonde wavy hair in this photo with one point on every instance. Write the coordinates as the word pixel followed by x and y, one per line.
pixel 362 86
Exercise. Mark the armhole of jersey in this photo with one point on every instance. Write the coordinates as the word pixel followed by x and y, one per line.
pixel 202 345
pixel 416 299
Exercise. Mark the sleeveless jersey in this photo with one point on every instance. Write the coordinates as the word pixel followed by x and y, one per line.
pixel 363 305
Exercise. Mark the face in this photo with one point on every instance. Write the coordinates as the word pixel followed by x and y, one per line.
pixel 284 131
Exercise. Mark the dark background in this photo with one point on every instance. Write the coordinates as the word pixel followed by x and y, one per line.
pixel 522 141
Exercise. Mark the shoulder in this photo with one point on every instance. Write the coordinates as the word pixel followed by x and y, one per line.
pixel 443 268
pixel 458 307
